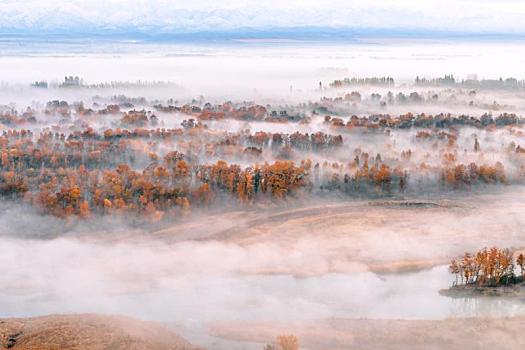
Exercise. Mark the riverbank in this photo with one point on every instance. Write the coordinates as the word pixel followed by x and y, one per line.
pixel 472 290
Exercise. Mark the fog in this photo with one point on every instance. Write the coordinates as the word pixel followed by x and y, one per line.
pixel 301 269
pixel 256 70
pixel 333 247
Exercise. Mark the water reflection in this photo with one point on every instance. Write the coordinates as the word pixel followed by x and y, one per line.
pixel 487 306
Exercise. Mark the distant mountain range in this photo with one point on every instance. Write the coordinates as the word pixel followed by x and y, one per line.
pixel 263 19
pixel 250 35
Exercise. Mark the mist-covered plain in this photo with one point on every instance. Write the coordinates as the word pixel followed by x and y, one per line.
pixel 211 187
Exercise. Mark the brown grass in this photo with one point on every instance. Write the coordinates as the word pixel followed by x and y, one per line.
pixel 87 332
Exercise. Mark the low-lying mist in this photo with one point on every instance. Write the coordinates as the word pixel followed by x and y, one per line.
pixel 345 259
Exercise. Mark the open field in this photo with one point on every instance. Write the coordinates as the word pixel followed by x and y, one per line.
pixel 339 334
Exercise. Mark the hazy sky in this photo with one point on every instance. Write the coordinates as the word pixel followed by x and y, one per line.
pixel 205 15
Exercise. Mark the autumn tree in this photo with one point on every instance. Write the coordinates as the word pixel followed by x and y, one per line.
pixel 492 266
pixel 284 342
pixel 520 261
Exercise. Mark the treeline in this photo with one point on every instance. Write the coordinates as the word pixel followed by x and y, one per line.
pixel 164 170
pixel 114 146
pixel 218 111
pixel 89 171
pixel 160 188
pixel 440 121
pixel 197 115
pixel 449 80
pixel 300 141
pixel 171 182
pixel 460 174
pixel 377 81
pixel 488 267
pixel 65 176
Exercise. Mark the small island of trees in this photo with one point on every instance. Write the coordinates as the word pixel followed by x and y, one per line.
pixel 488 272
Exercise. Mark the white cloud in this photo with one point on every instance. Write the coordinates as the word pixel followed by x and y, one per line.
pixel 199 15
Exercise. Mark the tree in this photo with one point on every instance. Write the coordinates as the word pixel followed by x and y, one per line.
pixel 5 160
pixel 107 203
pixel 383 177
pixel 288 342
pixel 284 342
pixel 203 194
pixel 476 145
pixel 520 261
pixel 454 268
pixel 84 211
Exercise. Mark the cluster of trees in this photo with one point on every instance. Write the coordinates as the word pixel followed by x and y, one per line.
pixel 20 150
pixel 58 107
pixel 164 185
pixel 114 146
pixel 380 81
pixel 300 141
pixel 75 169
pixel 391 98
pixel 422 120
pixel 431 135
pixel 254 112
pixel 449 80
pixel 12 118
pixel 488 267
pixel 360 176
pixel 494 84
pixel 460 174
pixel 126 134
pixel 87 171
pixel 138 118
pixel 220 111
